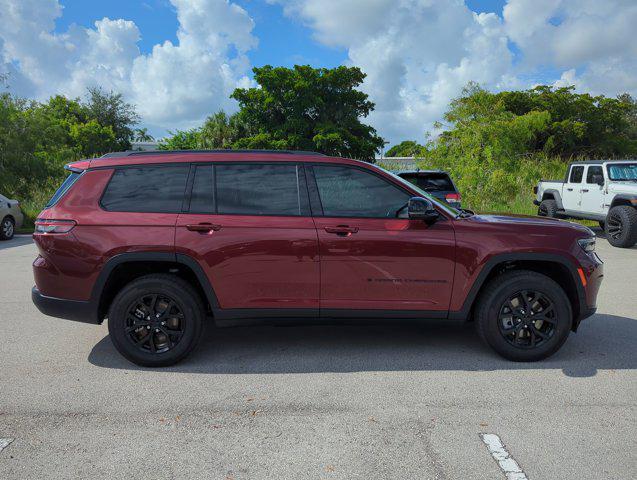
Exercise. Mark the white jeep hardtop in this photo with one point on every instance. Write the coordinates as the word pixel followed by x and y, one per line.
pixel 602 190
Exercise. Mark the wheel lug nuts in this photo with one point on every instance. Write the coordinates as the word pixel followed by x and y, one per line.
pixel 157 330
pixel 147 327
pixel 163 323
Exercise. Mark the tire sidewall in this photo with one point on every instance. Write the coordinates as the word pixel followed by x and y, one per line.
pixel 117 321
pixel 497 298
pixel 628 235
pixel 2 234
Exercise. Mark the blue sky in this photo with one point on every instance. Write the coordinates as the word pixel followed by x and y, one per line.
pixel 178 61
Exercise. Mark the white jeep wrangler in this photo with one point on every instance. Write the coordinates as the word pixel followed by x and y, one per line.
pixel 603 190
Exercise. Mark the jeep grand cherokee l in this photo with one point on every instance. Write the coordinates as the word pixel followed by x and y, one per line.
pixel 158 243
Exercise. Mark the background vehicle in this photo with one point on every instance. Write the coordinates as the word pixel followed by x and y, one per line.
pixel 435 182
pixel 604 190
pixel 10 217
pixel 158 242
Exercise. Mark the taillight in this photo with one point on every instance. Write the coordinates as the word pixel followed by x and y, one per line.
pixel 54 226
pixel 452 197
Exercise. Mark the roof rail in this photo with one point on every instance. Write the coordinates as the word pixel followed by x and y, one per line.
pixel 129 153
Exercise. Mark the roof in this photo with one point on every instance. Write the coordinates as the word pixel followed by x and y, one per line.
pixel 598 162
pixel 130 153
pixel 192 156
pixel 412 172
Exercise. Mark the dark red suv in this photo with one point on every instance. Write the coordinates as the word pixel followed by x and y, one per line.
pixel 160 242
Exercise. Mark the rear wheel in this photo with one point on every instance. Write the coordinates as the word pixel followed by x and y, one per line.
pixel 621 226
pixel 156 320
pixel 524 316
pixel 7 228
pixel 548 208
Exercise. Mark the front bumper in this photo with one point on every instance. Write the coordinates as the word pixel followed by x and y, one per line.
pixel 75 310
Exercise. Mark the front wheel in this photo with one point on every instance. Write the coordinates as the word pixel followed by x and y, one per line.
pixel 156 320
pixel 621 226
pixel 524 316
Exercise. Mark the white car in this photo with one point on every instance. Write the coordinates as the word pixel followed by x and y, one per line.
pixel 602 190
pixel 11 216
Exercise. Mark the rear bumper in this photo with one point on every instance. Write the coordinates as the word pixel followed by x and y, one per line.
pixel 75 310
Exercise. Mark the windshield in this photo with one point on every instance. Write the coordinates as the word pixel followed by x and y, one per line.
pixel 622 171
pixel 450 210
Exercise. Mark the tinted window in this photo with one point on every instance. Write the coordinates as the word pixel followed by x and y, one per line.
pixel 146 189
pixel 66 185
pixel 258 189
pixel 593 170
pixel 202 199
pixel 431 182
pixel 349 192
pixel 576 174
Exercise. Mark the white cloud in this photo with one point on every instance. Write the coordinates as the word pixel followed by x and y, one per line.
pixel 175 85
pixel 418 54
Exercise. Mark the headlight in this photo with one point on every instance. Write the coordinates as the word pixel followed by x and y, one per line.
pixel 587 244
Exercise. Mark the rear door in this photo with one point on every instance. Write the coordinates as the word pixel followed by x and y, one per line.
pixel 372 257
pixel 249 227
pixel 572 191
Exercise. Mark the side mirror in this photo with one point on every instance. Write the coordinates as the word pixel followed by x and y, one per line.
pixel 599 180
pixel 419 208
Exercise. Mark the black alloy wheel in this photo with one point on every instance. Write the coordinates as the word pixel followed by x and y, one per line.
pixel 155 323
pixel 527 319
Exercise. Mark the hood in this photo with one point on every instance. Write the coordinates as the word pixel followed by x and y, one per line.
pixel 623 187
pixel 526 220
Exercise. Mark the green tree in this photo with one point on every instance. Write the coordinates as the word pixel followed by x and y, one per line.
pixel 181 140
pixel 221 131
pixel 305 108
pixel 406 148
pixel 142 135
pixel 110 110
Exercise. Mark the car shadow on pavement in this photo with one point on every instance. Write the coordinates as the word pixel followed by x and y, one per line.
pixel 603 342
pixel 17 241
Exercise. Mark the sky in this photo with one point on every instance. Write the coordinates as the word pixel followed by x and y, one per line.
pixel 179 60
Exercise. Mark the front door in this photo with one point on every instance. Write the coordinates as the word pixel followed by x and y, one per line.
pixel 593 193
pixel 248 226
pixel 371 258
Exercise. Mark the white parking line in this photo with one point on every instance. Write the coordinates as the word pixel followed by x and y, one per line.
pixel 4 443
pixel 507 463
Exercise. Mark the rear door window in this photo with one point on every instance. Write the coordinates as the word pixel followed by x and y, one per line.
pixel 202 198
pixel 577 172
pixel 431 182
pixel 158 189
pixel 260 189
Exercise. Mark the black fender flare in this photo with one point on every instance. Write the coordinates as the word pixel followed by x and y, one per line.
pixel 556 196
pixel 499 259
pixel 625 198
pixel 170 257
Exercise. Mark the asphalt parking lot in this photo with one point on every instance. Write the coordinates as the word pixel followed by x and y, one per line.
pixel 400 401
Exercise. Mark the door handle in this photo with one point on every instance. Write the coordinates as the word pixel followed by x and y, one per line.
pixel 203 227
pixel 341 230
pixel 569 189
pixel 584 190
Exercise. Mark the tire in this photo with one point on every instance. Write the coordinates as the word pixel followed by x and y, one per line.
pixel 621 226
pixel 158 344
pixel 491 319
pixel 7 228
pixel 548 208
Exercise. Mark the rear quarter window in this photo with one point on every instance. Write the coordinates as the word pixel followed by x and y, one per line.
pixel 431 182
pixel 156 189
pixel 65 187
